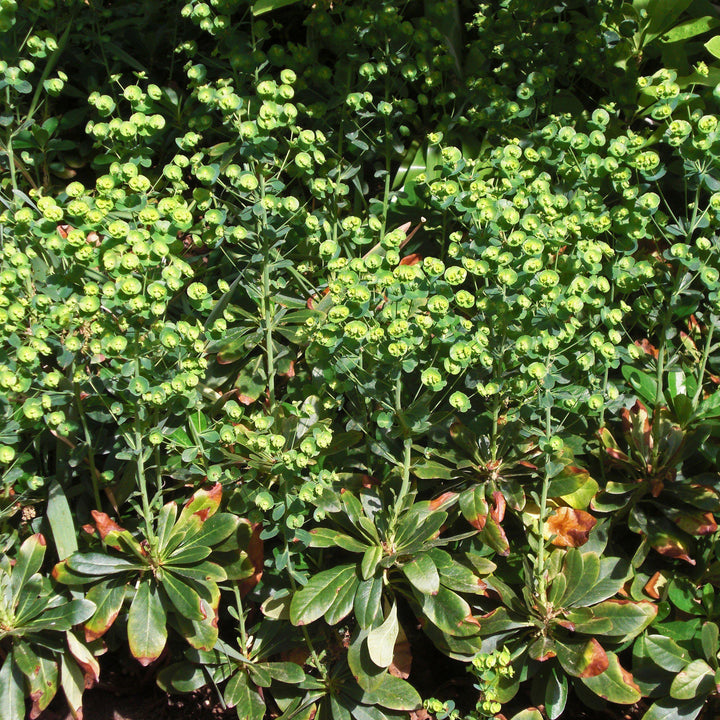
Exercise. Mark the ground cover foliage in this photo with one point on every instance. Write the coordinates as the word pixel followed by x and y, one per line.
pixel 333 332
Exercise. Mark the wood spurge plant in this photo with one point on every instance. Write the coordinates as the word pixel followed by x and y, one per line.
pixel 359 360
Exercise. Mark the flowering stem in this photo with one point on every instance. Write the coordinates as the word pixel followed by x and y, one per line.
pixel 266 299
pixel 703 363
pixel 91 455
pixel 540 561
pixel 241 618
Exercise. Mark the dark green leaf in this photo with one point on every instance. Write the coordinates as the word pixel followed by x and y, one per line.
pixel 316 598
pixel 146 629
pixel 448 611
pixel 181 595
pixel 366 605
pixel 287 672
pixel 668 708
pixel 108 597
pixel 666 653
pixel 28 562
pixel 99 564
pixel 423 574
pixel 370 560
pixel 343 603
pixel 393 693
pixel 696 680
pixel 556 693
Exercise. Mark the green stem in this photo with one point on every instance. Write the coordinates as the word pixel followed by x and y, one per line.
pixel 407 448
pixel 293 584
pixel 493 438
pixel 266 299
pixel 388 160
pixel 49 67
pixel 142 483
pixel 137 447
pixel 703 364
pixel 540 561
pixel 241 618
pixel 91 455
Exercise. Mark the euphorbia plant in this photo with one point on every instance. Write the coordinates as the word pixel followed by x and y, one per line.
pixel 40 651
pixel 168 574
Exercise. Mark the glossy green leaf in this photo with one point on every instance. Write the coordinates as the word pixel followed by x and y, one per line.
pixel 381 640
pixel 99 564
pixel 41 671
pixel 422 573
pixel 181 595
pixel 528 714
pixel 108 597
pixel 696 680
pixel 316 598
pixel 710 641
pixel 556 693
pixel 666 653
pixel 366 604
pixel 72 681
pixel 263 6
pixel 499 621
pixel 146 629
pixel 582 658
pixel 689 28
pixel 61 522
pixel 62 616
pixel 494 536
pixel 371 558
pixel 628 618
pixel 581 572
pixel 187 555
pixel 366 673
pixel 474 506
pixel 287 672
pixel 327 537
pixel 29 560
pixel 448 611
pixel 203 573
pixel 242 694
pixel 668 708
pixel 165 523
pixel 201 634
pixel 612 574
pixel 259 674
pixel 458 576
pixel 393 693
pixel 644 384
pixel 616 684
pixel 12 694
pixel 340 710
pixel 344 598
pixel 215 530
